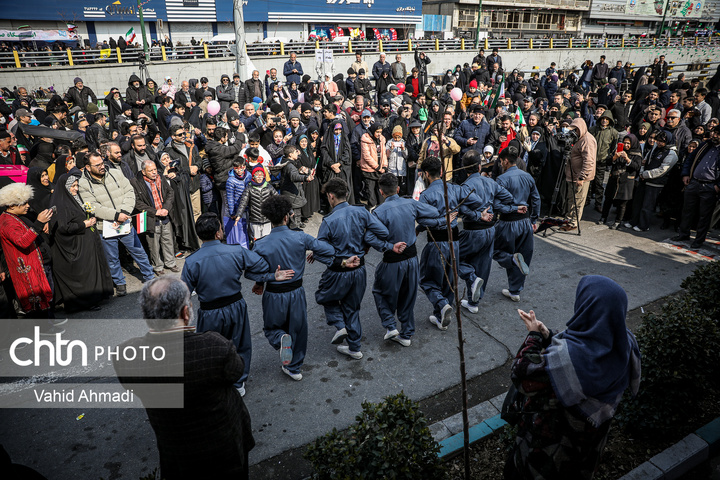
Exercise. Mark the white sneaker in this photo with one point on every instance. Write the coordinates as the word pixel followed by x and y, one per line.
pixel 519 261
pixel 514 298
pixel 286 352
pixel 339 336
pixel 433 319
pixel 637 229
pixel 405 342
pixel 627 225
pixel 391 334
pixel 345 350
pixel 476 289
pixel 466 305
pixel 241 389
pixel 446 315
pixel 295 376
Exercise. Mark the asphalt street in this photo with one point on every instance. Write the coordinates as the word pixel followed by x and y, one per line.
pixel 119 443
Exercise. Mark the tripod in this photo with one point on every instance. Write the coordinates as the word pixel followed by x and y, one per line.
pixel 558 184
pixel 144 74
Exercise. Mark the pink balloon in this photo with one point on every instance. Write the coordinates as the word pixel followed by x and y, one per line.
pixel 401 88
pixel 456 94
pixel 213 107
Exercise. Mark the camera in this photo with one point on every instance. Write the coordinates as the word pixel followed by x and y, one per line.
pixel 174 164
pixel 569 137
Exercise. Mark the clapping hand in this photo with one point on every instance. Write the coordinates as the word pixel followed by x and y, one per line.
pixel 533 324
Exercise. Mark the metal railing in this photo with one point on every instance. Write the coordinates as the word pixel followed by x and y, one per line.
pixel 70 57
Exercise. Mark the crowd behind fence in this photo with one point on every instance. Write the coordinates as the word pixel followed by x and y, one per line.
pixel 73 57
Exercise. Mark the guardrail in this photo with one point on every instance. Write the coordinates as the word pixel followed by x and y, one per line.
pixel 47 58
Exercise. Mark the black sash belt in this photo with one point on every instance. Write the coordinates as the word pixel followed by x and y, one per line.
pixel 337 265
pixel 283 287
pixel 392 257
pixel 477 225
pixel 511 217
pixel 442 235
pixel 221 302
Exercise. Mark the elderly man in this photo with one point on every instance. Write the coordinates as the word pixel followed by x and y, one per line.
pixel 186 97
pixel 292 69
pixel 211 434
pixel 23 100
pixel 378 67
pixel 398 70
pixel 254 87
pixel 80 95
pixel 113 198
pixel 154 195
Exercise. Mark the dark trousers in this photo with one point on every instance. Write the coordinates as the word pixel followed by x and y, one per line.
pixel 513 237
pixel 644 205
pixel 340 294
pixel 395 291
pixel 374 197
pixel 476 251
pixel 700 201
pixel 286 313
pixel 610 192
pixel 230 321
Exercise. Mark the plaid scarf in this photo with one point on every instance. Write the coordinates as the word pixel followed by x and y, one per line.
pixel 156 191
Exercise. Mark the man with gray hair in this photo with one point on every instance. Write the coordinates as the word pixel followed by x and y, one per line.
pixel 154 195
pixel 680 132
pixel 211 435
pixel 398 70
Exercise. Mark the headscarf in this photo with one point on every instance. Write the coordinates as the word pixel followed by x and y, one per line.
pixel 69 206
pixel 596 358
pixel 41 193
pixel 634 144
pixel 59 167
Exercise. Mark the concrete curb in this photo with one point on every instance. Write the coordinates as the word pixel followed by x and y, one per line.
pixel 669 464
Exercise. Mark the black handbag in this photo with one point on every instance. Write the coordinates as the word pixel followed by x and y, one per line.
pixel 512 407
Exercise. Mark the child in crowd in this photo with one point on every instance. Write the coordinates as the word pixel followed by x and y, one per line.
pixel 257 191
pixel 397 155
pixel 210 194
pixel 236 224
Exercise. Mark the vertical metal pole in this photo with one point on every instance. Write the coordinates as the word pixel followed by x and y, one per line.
pixel 240 63
pixel 662 24
pixel 477 31
pixel 456 290
pixel 144 35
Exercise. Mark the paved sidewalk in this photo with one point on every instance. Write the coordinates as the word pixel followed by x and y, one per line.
pixel 288 414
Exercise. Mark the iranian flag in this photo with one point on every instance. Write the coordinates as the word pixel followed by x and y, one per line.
pixel 130 35
pixel 500 92
pixel 141 222
pixel 519 118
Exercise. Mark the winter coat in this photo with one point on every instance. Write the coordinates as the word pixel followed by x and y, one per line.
pixel 658 166
pixel 144 201
pixel 112 195
pixel 582 156
pixel 79 98
pixel 133 95
pixel 467 130
pixel 369 160
pixel 186 162
pixel 221 157
pixel 396 157
pixel 450 149
pixel 235 187
pixel 625 175
pixel 607 140
pixel 291 184
pixel 252 199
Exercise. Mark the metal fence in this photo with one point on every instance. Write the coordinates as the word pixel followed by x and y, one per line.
pixel 69 57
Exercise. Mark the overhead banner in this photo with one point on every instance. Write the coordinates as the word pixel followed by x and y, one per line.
pixel 646 8
pixel 37 35
pixel 685 9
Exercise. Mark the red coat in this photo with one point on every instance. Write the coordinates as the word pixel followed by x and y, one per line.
pixel 25 263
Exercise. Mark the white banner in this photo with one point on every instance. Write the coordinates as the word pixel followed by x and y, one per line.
pixel 38 35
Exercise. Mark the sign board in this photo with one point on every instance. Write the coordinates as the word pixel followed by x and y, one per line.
pixel 323 55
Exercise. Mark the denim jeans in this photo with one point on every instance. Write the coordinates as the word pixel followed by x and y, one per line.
pixel 133 245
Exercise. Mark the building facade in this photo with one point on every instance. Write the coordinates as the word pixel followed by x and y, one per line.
pixel 182 20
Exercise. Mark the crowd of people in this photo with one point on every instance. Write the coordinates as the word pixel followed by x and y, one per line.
pixel 228 176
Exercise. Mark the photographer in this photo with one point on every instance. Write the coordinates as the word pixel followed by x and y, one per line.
pixel 579 172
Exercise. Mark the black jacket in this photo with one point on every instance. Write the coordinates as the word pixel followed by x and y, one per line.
pixel 144 201
pixel 186 162
pixel 221 157
pixel 133 95
pixel 80 98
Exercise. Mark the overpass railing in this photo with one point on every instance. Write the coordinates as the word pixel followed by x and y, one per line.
pixel 72 57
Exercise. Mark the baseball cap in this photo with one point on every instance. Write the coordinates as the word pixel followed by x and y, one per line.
pixel 366 113
pixel 22 112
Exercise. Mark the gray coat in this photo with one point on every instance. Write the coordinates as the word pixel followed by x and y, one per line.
pixel 110 196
